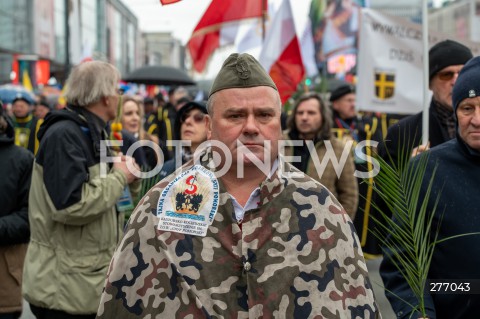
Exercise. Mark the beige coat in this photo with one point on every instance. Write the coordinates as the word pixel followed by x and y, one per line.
pixel 11 266
pixel 345 187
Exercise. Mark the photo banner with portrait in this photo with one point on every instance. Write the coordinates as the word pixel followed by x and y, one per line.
pixel 335 25
pixel 390 67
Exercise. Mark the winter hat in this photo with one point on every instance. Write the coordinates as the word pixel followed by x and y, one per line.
pixel 341 91
pixel 23 97
pixel 185 109
pixel 45 103
pixel 241 71
pixel 447 53
pixel 468 82
pixel 148 100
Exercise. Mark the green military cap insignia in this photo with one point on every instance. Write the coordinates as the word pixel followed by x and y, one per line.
pixel 241 71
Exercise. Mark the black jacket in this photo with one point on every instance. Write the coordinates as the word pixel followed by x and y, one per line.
pixel 165 122
pixel 15 171
pixel 407 134
pixel 456 183
pixel 29 127
pixel 82 133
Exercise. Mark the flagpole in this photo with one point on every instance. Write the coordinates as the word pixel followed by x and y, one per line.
pixel 264 17
pixel 426 103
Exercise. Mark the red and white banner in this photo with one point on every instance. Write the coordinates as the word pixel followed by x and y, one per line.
pixel 218 26
pixel 164 2
pixel 281 56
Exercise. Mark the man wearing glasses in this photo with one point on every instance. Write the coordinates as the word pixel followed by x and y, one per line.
pixel 446 59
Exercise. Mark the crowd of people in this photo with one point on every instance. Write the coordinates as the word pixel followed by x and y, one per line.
pixel 238 225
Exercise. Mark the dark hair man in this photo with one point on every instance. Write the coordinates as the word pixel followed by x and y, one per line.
pixel 311 121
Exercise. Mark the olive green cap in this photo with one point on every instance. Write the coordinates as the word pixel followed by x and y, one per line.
pixel 241 71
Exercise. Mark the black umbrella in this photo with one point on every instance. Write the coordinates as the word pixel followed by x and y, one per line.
pixel 333 84
pixel 159 75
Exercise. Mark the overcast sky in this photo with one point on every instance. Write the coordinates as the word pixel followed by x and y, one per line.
pixel 179 18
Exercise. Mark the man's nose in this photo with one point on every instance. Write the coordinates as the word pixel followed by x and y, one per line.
pixel 455 77
pixel 476 117
pixel 251 125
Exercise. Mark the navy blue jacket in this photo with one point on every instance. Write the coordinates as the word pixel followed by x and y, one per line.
pixel 457 181
pixel 406 134
pixel 15 171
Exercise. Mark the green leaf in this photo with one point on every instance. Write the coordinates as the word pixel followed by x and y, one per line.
pixel 405 229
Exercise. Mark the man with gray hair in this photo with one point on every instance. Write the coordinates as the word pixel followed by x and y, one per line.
pixel 450 182
pixel 74 223
pixel 216 241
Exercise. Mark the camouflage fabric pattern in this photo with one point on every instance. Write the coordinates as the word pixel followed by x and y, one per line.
pixel 304 256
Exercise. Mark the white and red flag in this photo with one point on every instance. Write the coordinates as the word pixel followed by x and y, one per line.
pixel 164 2
pixel 218 27
pixel 281 55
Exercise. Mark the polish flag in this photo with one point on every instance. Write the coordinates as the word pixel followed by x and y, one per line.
pixel 281 55
pixel 218 26
pixel 164 2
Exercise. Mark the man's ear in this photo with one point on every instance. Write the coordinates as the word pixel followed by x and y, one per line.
pixel 334 106
pixel 105 100
pixel 208 123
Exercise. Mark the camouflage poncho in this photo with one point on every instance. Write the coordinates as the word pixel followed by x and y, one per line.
pixel 295 256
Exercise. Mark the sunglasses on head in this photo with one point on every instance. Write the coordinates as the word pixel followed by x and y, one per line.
pixel 197 117
pixel 446 75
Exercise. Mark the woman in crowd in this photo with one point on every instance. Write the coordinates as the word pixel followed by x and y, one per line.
pixel 132 115
pixel 191 125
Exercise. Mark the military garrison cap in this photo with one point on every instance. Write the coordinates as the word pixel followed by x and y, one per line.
pixel 241 71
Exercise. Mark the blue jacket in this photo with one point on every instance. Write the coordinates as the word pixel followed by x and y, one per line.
pixel 457 181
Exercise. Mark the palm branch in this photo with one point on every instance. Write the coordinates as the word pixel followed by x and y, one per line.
pixel 404 227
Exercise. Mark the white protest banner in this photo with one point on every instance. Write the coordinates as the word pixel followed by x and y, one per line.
pixel 390 63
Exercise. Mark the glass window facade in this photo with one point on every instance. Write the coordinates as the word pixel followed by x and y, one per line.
pixel 88 12
pixel 17 25
pixel 59 17
pixel 118 41
pixel 130 47
pixel 103 29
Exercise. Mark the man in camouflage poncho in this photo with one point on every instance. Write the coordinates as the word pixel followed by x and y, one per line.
pixel 258 243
